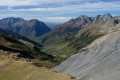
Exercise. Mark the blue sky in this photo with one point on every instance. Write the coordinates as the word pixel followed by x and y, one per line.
pixel 57 10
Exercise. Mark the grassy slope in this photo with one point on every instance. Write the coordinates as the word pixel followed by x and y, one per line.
pixel 26 71
pixel 19 70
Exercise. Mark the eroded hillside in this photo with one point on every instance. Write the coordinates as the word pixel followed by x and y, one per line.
pixel 100 61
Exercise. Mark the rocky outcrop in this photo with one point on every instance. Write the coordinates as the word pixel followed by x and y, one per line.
pixel 105 17
pixel 100 61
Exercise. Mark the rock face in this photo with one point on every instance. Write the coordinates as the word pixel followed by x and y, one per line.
pixel 100 61
pixel 29 28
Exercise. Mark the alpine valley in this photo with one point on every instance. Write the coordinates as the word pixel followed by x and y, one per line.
pixel 83 48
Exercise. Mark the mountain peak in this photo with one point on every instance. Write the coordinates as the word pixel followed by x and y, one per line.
pixel 106 16
pixel 34 21
pixel 83 16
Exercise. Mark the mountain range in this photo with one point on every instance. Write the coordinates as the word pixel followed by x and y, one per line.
pixel 73 26
pixel 61 42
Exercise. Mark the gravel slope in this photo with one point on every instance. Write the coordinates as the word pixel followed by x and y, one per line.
pixel 101 60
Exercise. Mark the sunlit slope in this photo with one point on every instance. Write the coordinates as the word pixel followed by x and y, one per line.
pixel 20 70
pixel 100 61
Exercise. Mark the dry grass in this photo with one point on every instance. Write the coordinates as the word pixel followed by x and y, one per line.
pixel 19 70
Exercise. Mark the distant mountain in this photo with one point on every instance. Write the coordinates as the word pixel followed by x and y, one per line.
pixel 84 20
pixel 6 23
pixel 29 28
pixel 53 25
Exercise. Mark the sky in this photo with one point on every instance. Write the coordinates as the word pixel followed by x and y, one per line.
pixel 57 10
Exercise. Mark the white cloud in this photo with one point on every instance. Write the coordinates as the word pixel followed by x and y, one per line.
pixel 82 7
pixel 8 15
pixel 56 18
pixel 14 2
pixel 33 9
pixel 34 2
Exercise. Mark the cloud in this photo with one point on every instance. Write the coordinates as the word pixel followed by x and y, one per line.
pixel 8 15
pixel 33 9
pixel 82 7
pixel 36 2
pixel 56 18
pixel 13 2
pixel 98 6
